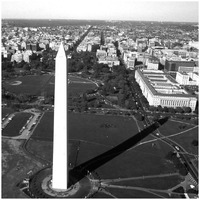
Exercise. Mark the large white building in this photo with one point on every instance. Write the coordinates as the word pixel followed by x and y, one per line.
pixel 160 89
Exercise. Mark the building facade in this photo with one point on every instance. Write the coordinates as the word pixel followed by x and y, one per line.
pixel 159 90
pixel 173 65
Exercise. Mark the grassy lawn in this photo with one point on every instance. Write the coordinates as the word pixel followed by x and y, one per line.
pixel 172 127
pixel 43 149
pixel 126 193
pixel 33 85
pixel 93 139
pixel 72 78
pixel 90 128
pixel 161 183
pixel 76 88
pixel 44 130
pixel 16 124
pixel 36 85
pixel 136 162
pixel 5 111
pixel 185 138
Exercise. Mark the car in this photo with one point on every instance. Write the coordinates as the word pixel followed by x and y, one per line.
pixel 177 148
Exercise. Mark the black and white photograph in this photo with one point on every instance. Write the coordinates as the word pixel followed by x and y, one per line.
pixel 99 99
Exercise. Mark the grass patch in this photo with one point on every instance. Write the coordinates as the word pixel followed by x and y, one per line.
pixel 72 78
pixel 44 130
pixel 127 193
pixel 173 127
pixel 184 139
pixel 89 128
pixel 92 138
pixel 160 183
pixel 32 85
pixel 6 111
pixel 13 128
pixel 37 85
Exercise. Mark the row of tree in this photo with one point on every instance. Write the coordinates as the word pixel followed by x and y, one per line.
pixel 172 156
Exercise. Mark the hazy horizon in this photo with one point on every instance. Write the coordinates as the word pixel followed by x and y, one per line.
pixel 96 20
pixel 109 10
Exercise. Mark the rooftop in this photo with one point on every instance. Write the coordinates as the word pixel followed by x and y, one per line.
pixel 173 87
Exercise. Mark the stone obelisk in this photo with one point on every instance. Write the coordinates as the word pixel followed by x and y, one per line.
pixel 60 162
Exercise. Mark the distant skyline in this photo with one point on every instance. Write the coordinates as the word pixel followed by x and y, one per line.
pixel 136 10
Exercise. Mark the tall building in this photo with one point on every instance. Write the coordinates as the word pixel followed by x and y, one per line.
pixel 60 166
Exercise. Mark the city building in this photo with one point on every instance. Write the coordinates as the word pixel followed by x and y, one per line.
pixel 18 57
pixel 182 78
pixel 160 89
pixel 101 53
pixel 152 63
pixel 131 63
pixel 110 61
pixel 173 65
pixel 190 78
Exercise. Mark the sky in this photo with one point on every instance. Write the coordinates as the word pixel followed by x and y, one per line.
pixel 138 10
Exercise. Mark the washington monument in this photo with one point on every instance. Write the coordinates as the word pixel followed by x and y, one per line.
pixel 60 160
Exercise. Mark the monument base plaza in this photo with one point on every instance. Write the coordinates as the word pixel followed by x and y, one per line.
pixel 40 186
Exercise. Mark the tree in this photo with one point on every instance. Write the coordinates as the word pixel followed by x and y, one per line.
pixel 27 67
pixel 139 117
pixel 22 98
pixel 33 56
pixel 182 126
pixel 179 110
pixel 160 109
pixel 195 143
pixel 182 169
pixel 121 99
pixel 132 104
pixel 165 109
pixel 192 191
pixel 187 109
pixel 7 66
pixel 156 117
pixel 171 110
pixel 152 108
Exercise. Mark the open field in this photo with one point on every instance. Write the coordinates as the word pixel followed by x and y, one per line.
pixel 173 127
pixel 90 128
pixel 44 130
pixel 92 139
pixel 33 85
pixel 186 139
pixel 16 124
pixel 37 85
pixel 126 193
pixel 76 88
pixel 182 135
pixel 78 79
pixel 161 183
